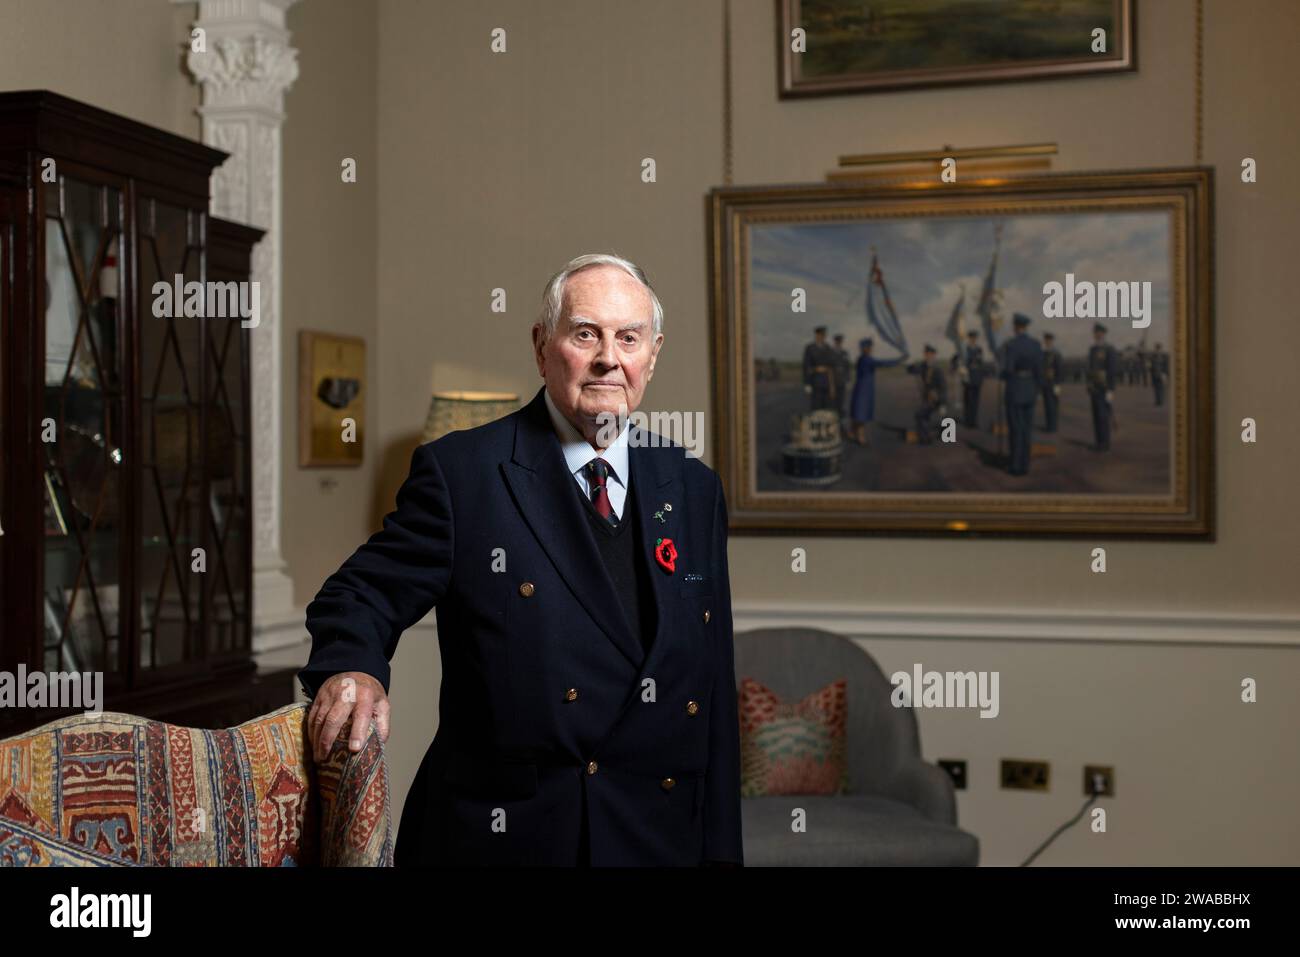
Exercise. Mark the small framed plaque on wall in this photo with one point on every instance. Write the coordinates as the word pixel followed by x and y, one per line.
pixel 331 399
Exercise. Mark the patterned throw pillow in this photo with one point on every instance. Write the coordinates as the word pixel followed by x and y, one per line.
pixel 116 789
pixel 795 748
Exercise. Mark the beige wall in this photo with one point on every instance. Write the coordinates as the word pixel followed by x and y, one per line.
pixel 330 230
pixel 126 56
pixel 495 169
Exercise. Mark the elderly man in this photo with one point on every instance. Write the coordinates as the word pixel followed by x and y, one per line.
pixel 579 569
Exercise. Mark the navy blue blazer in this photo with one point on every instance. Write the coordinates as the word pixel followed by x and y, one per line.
pixel 560 740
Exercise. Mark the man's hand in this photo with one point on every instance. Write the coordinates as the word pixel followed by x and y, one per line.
pixel 349 693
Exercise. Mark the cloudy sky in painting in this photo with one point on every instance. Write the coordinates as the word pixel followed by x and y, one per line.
pixel 927 261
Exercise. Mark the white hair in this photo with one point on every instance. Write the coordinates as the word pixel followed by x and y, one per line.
pixel 553 295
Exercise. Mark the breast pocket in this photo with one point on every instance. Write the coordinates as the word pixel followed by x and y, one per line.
pixel 697 588
pixel 697 601
pixel 698 605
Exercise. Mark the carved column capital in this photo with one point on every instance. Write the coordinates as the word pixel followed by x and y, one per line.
pixel 243 72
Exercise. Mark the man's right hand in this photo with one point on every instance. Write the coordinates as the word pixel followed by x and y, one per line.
pixel 352 694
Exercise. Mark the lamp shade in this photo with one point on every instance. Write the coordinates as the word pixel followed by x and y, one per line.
pixel 453 411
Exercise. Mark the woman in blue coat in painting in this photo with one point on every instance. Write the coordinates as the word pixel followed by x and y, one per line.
pixel 862 406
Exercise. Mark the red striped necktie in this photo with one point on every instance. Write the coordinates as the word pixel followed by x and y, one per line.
pixel 597 475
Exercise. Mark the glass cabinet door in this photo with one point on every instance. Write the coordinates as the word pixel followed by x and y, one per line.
pixel 80 432
pixel 228 574
pixel 173 487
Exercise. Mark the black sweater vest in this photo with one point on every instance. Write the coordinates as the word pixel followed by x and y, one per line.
pixel 627 558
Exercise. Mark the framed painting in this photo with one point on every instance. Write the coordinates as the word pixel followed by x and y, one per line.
pixel 331 399
pixel 872 373
pixel 851 46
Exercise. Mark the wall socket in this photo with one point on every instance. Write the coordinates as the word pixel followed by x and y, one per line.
pixel 957 771
pixel 1023 775
pixel 1107 775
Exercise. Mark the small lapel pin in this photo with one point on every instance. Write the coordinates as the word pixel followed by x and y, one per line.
pixel 660 517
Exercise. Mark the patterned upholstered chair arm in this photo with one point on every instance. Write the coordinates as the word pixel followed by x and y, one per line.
pixel 120 789
pixel 355 818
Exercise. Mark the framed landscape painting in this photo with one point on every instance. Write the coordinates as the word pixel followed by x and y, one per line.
pixel 849 46
pixel 870 375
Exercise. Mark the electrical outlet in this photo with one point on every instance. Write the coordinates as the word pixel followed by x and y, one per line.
pixel 957 771
pixel 1105 773
pixel 1021 775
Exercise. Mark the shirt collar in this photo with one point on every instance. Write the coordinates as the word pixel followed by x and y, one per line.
pixel 578 451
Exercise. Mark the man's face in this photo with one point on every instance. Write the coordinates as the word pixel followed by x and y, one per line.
pixel 1098 336
pixel 603 352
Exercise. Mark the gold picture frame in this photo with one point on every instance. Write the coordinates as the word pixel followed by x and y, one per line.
pixel 768 243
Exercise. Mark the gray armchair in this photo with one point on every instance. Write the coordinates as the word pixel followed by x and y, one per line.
pixel 899 809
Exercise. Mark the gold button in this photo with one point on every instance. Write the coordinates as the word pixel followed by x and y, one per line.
pixel 706 616
pixel 591 767
pixel 526 589
pixel 667 784
pixel 571 694
pixel 692 707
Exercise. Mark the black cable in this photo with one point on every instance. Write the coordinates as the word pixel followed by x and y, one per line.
pixel 1062 829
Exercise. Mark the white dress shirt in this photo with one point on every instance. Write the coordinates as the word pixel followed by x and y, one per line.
pixel 578 452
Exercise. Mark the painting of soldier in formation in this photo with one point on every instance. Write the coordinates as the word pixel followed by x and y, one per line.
pixel 1026 355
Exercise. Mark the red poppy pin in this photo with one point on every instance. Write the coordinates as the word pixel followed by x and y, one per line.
pixel 666 554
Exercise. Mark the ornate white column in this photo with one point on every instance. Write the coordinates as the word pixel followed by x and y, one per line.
pixel 244 72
